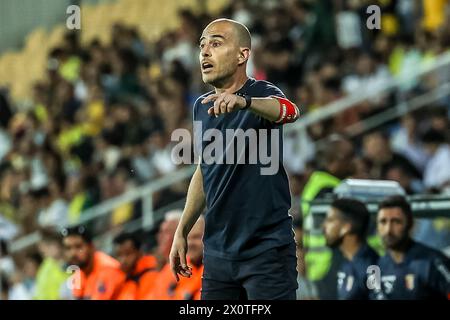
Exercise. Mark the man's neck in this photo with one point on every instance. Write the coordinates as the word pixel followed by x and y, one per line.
pixel 236 82
pixel 398 254
pixel 90 266
pixel 350 246
pixel 134 269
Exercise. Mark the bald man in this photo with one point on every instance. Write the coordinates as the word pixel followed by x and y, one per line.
pixel 249 247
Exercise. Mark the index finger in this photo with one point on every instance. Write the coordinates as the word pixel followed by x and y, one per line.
pixel 173 267
pixel 183 259
pixel 211 97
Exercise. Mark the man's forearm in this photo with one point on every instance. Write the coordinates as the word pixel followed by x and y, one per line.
pixel 267 108
pixel 195 203
pixel 275 109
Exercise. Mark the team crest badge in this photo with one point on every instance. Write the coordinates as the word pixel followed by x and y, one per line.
pixel 350 281
pixel 101 287
pixel 409 281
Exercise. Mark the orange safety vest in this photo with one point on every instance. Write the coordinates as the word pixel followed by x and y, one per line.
pixel 190 288
pixel 167 288
pixel 137 286
pixel 102 282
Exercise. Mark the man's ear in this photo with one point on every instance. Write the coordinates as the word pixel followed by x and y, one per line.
pixel 244 55
pixel 346 228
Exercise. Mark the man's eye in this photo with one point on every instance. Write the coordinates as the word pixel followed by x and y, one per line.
pixel 216 44
pixel 202 46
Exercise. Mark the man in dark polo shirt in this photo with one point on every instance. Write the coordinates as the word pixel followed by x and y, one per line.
pixel 345 227
pixel 249 248
pixel 409 270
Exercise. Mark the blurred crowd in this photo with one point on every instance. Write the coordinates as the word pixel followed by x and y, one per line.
pixel 100 123
pixel 67 265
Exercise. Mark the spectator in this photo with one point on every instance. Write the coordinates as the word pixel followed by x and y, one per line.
pixel 346 227
pixel 165 235
pixel 84 192
pixel 406 141
pixel 8 229
pixel 335 162
pixel 140 269
pixel 51 276
pixel 398 173
pixel 121 183
pixel 6 114
pixel 439 120
pixel 434 14
pixel 24 283
pixel 368 76
pixel 53 208
pixel 409 270
pixel 7 266
pixel 166 287
pixel 5 287
pixel 381 157
pixel 98 276
pixel 437 171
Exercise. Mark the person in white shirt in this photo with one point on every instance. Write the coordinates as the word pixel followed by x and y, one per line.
pixel 406 142
pixel 24 281
pixel 437 170
pixel 54 209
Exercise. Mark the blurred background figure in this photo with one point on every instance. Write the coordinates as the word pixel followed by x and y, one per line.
pixel 23 283
pixel 346 227
pixel 53 209
pixel 437 170
pixel 335 162
pixel 166 286
pixel 97 276
pixel 165 236
pixel 409 270
pixel 51 277
pixel 140 269
pixel 6 262
pixel 381 157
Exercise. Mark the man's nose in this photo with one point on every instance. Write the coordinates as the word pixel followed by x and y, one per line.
pixel 205 52
pixel 388 228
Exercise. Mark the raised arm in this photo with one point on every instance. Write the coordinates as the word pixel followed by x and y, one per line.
pixel 275 109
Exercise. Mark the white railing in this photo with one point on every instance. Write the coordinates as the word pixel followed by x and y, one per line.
pixel 145 192
pixel 348 102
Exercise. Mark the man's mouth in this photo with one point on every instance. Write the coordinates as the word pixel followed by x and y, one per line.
pixel 391 240
pixel 206 66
